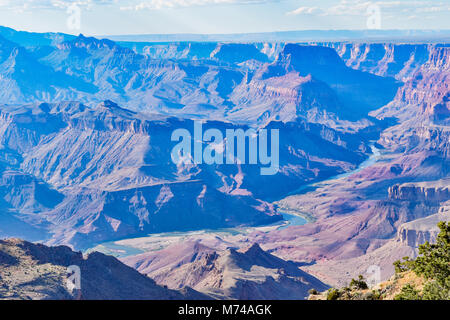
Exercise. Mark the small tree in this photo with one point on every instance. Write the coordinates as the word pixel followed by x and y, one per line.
pixel 433 291
pixel 359 284
pixel 333 294
pixel 408 293
pixel 404 265
pixel 433 261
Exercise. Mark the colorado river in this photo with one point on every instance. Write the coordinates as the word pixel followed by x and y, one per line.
pixel 373 158
pixel 154 242
pixel 158 241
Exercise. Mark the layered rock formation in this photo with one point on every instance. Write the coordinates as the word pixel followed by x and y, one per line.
pixel 95 174
pixel 439 192
pixel 207 80
pixel 385 59
pixel 419 231
pixel 383 212
pixel 112 176
pixel 84 173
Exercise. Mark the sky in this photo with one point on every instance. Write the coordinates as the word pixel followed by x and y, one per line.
pixel 124 17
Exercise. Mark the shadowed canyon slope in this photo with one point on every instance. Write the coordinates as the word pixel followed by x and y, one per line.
pixel 100 173
pixel 236 81
pixel 36 272
pixel 385 211
pixel 109 167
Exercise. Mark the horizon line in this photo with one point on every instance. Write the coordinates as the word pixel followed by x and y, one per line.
pixel 231 33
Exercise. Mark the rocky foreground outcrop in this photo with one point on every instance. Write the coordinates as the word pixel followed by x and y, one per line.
pixel 34 271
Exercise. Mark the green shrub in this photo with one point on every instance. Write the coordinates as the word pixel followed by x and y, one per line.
pixel 408 293
pixel 402 266
pixel 433 291
pixel 359 284
pixel 376 295
pixel 433 261
pixel 333 294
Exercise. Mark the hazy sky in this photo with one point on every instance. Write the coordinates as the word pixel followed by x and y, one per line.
pixel 106 17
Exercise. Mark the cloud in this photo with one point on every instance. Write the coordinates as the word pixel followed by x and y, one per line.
pixel 320 8
pixel 23 5
pixel 359 7
pixel 432 9
pixel 304 10
pixel 162 4
pixel 137 5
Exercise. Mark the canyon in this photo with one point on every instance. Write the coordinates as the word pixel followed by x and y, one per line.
pixel 85 144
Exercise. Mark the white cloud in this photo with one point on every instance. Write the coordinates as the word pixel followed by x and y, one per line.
pixel 161 4
pixel 124 4
pixel 51 4
pixel 433 9
pixel 359 7
pixel 304 10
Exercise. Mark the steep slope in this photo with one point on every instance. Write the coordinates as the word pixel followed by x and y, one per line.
pixel 232 53
pixel 385 59
pixel 252 274
pixel 87 217
pixel 100 62
pixel 359 92
pixel 34 271
pixel 159 85
pixel 81 174
pixel 114 177
pixel 22 199
pixel 238 53
pixel 25 79
pixel 112 171
pixel 173 50
pixel 419 231
pixel 33 39
pixel 199 80
pixel 311 82
pixel 423 112
pixel 383 212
